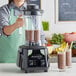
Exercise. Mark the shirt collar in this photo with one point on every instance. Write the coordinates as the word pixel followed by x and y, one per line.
pixel 12 5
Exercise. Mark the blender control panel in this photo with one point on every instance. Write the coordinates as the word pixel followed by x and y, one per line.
pixel 36 60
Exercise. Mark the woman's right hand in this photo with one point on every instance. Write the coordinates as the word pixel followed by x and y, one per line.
pixel 19 22
pixel 9 29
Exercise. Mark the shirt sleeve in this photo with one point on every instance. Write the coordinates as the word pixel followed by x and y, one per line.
pixel 42 37
pixel 4 21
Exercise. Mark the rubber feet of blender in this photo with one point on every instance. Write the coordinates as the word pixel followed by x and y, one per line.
pixel 26 71
pixel 45 70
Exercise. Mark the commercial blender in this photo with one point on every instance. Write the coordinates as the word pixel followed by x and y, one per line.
pixel 33 56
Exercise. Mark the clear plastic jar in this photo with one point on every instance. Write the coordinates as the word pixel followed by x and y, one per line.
pixel 33 28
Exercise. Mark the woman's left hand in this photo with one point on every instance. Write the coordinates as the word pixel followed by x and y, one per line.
pixel 19 22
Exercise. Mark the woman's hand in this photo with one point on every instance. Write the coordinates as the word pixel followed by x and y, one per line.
pixel 9 29
pixel 19 22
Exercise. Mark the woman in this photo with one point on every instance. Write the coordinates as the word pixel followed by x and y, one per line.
pixel 10 37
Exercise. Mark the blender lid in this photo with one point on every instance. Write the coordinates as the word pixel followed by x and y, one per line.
pixel 33 9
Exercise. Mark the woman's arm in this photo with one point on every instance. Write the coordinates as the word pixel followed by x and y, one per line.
pixel 5 28
pixel 8 30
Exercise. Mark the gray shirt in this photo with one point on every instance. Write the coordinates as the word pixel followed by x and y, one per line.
pixel 5 14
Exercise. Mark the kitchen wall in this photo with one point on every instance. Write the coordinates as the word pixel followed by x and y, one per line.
pixel 49 7
pixel 49 15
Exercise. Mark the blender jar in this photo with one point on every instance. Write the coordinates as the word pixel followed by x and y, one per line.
pixel 29 32
pixel 32 17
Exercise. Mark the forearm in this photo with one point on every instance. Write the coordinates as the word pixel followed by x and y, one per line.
pixel 8 30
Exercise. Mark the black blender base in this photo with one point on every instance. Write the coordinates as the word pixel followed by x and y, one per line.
pixel 35 71
pixel 34 61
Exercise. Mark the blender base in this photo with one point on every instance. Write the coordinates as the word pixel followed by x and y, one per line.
pixel 33 59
